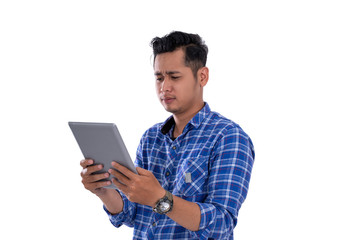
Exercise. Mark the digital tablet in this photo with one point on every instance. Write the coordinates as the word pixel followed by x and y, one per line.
pixel 102 142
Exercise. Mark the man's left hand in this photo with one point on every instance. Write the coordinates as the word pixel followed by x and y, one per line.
pixel 142 188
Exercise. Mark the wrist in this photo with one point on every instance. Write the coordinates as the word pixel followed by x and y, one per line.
pixel 165 204
pixel 106 193
pixel 100 192
pixel 112 201
pixel 158 196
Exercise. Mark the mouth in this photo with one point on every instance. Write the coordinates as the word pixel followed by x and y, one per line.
pixel 167 100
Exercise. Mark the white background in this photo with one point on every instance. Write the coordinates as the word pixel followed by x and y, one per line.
pixel 286 71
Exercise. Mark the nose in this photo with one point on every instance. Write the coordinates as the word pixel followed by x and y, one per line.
pixel 165 85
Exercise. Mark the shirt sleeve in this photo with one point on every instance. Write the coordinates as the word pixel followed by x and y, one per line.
pixel 230 171
pixel 127 216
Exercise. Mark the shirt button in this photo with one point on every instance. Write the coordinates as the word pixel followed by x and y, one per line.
pixel 154 224
pixel 174 147
pixel 167 173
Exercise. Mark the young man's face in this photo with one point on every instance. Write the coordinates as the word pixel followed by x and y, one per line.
pixel 177 88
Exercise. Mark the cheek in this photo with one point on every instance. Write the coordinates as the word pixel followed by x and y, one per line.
pixel 158 93
pixel 157 88
pixel 190 89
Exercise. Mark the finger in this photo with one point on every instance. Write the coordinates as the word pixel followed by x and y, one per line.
pixel 119 185
pixel 123 170
pixel 120 177
pixel 92 169
pixel 96 185
pixel 86 162
pixel 95 177
pixel 123 188
pixel 142 171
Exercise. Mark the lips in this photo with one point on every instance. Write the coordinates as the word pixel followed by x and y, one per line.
pixel 167 99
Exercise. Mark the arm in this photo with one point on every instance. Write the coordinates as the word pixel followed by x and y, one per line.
pixel 118 208
pixel 145 189
pixel 229 175
pixel 186 214
pixel 110 197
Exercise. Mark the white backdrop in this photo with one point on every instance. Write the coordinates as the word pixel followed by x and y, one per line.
pixel 286 71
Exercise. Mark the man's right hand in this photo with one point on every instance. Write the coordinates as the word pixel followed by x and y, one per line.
pixel 91 181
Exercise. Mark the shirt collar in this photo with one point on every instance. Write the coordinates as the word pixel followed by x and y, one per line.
pixel 195 121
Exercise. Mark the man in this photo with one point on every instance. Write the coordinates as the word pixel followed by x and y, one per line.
pixel 193 170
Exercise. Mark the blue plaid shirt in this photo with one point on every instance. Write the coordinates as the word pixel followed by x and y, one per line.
pixel 210 163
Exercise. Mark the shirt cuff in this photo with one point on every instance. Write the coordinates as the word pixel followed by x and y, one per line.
pixel 119 219
pixel 208 215
pixel 213 220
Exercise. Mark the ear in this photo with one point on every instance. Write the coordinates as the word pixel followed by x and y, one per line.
pixel 203 76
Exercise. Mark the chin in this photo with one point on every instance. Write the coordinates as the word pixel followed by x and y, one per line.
pixel 170 109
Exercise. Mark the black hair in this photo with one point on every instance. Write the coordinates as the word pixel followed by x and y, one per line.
pixel 194 48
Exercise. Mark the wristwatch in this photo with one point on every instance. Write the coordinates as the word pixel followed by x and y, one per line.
pixel 165 204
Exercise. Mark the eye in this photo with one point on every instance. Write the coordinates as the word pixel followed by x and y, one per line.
pixel 159 78
pixel 175 77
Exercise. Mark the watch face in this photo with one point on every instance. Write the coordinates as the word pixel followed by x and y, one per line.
pixel 164 206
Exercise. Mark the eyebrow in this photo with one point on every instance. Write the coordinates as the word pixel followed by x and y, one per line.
pixel 167 73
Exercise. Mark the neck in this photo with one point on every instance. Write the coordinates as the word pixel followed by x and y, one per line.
pixel 182 119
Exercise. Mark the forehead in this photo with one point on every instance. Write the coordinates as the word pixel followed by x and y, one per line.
pixel 169 61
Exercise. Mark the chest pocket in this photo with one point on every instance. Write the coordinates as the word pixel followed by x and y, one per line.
pixel 191 178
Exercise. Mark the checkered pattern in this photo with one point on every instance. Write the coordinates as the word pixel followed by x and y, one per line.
pixel 210 163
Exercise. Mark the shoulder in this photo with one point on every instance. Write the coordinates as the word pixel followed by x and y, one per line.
pixel 231 135
pixel 223 125
pixel 228 131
